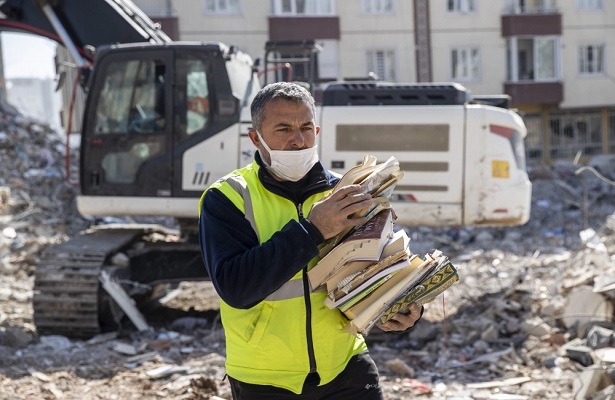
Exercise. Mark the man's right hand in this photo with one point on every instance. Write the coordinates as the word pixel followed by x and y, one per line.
pixel 330 215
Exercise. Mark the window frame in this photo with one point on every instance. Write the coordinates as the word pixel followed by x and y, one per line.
pixel 512 59
pixel 469 62
pixel 390 63
pixel 461 6
pixel 376 7
pixel 600 53
pixel 217 11
pixel 544 6
pixel 590 5
pixel 132 98
pixel 319 6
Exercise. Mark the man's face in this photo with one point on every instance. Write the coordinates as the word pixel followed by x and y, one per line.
pixel 287 126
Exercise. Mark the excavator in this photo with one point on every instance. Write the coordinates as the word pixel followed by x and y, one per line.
pixel 164 119
pixel 148 102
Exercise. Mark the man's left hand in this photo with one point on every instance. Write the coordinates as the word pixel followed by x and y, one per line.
pixel 402 321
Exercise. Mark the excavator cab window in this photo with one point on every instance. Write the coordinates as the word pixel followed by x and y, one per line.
pixel 197 94
pixel 132 98
pixel 130 116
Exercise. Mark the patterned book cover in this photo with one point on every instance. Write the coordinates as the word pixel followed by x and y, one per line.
pixel 425 292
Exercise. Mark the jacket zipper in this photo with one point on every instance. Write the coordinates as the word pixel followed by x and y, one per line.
pixel 308 309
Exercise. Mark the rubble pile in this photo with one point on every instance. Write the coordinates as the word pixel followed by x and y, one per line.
pixel 531 318
pixel 533 315
pixel 37 205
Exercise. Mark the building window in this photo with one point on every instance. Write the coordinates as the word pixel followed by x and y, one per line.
pixel 303 7
pixel 461 5
pixel 533 59
pixel 573 132
pixel 530 6
pixel 378 6
pixel 382 63
pixel 534 141
pixel 299 70
pixel 589 4
pixel 591 60
pixel 222 6
pixel 465 64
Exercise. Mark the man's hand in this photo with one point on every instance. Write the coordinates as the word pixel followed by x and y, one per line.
pixel 330 215
pixel 402 321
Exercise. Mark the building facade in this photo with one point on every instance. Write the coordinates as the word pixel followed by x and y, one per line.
pixel 555 58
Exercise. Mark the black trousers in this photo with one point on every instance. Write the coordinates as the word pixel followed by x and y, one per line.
pixel 358 381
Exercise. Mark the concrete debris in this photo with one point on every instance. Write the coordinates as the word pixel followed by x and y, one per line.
pixel 399 367
pixel 125 348
pixel 532 317
pixel 165 370
pixel 583 307
pixel 122 299
pixel 589 382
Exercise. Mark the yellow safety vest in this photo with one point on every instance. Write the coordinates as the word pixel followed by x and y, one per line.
pixel 267 344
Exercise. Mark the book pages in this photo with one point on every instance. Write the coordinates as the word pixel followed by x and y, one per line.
pixel 377 179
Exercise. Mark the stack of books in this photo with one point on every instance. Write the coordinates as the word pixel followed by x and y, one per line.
pixel 369 272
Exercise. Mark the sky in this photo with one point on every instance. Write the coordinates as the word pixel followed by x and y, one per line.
pixel 27 56
pixel 30 56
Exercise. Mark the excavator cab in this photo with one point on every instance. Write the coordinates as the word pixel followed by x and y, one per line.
pixel 148 110
pixel 127 129
pixel 161 121
pixel 155 108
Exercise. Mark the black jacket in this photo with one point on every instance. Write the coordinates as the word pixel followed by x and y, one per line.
pixel 243 271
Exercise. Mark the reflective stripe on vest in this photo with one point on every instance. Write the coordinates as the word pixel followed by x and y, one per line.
pixel 290 289
pixel 239 184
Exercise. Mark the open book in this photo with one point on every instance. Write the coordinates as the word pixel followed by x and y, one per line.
pixel 377 179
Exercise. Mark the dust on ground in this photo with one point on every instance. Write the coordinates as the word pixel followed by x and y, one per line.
pixel 501 333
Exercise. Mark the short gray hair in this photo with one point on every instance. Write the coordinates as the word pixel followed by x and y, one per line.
pixel 279 90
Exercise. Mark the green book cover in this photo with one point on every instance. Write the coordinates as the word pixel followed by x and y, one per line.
pixel 424 292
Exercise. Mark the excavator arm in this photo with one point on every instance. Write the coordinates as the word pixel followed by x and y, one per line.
pixel 77 23
pixel 69 299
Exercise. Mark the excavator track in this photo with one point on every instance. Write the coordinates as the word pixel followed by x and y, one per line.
pixel 66 286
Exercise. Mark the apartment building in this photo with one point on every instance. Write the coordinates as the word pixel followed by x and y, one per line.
pixel 555 58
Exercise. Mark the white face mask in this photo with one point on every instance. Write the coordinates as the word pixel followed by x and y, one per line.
pixel 290 165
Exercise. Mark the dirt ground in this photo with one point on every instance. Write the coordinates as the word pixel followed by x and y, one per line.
pixel 498 334
pixel 182 357
pixel 188 341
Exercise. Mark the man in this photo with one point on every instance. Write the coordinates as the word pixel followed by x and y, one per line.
pixel 260 228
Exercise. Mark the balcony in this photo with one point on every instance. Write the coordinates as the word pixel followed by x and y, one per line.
pixel 532 24
pixel 169 25
pixel 525 93
pixel 301 28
